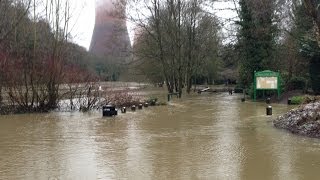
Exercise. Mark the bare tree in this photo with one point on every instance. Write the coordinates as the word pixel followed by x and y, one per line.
pixel 178 36
pixel 9 9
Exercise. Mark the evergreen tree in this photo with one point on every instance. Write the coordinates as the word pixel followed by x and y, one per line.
pixel 256 38
pixel 309 47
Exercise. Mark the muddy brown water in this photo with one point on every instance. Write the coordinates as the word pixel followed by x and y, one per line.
pixel 199 137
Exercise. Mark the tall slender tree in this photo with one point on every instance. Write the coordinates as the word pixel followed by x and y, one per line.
pixel 256 37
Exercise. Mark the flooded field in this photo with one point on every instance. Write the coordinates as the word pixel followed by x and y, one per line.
pixel 207 136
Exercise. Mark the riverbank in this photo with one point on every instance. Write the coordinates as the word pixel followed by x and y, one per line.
pixel 305 120
pixel 86 98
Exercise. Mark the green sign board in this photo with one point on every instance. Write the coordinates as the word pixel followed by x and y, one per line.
pixel 266 80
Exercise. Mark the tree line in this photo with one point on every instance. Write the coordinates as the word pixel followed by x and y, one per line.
pixel 281 36
pixel 176 42
pixel 179 42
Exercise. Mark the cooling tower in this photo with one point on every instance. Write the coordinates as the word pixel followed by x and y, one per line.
pixel 110 35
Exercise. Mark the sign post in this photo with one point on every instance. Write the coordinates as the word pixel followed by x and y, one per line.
pixel 266 80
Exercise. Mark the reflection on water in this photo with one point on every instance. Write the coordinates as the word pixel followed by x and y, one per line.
pixel 198 137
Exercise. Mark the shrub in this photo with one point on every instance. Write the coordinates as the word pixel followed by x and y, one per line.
pixel 315 75
pixel 297 100
pixel 122 98
pixel 152 99
pixel 296 83
pixel 238 89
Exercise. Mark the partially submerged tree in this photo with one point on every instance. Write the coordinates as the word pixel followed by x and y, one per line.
pixel 179 38
pixel 36 53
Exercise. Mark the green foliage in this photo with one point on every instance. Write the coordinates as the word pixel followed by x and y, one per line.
pixel 256 38
pixel 296 100
pixel 296 83
pixel 229 65
pixel 315 74
pixel 105 68
pixel 238 89
pixel 246 44
pixel 230 56
pixel 309 46
pixel 250 91
pixel 150 99
pixel 152 70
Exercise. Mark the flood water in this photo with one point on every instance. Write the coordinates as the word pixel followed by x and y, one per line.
pixel 212 136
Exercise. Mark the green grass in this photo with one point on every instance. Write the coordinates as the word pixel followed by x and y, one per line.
pixel 296 100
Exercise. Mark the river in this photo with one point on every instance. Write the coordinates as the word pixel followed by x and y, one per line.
pixel 207 136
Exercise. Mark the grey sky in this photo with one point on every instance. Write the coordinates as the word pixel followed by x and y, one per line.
pixel 83 22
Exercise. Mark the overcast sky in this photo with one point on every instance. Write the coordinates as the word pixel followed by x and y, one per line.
pixel 83 21
pixel 84 17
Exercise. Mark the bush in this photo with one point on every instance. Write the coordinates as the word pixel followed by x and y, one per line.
pixel 296 100
pixel 296 83
pixel 315 75
pixel 219 82
pixel 238 89
pixel 152 101
pixel 122 98
pixel 250 91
